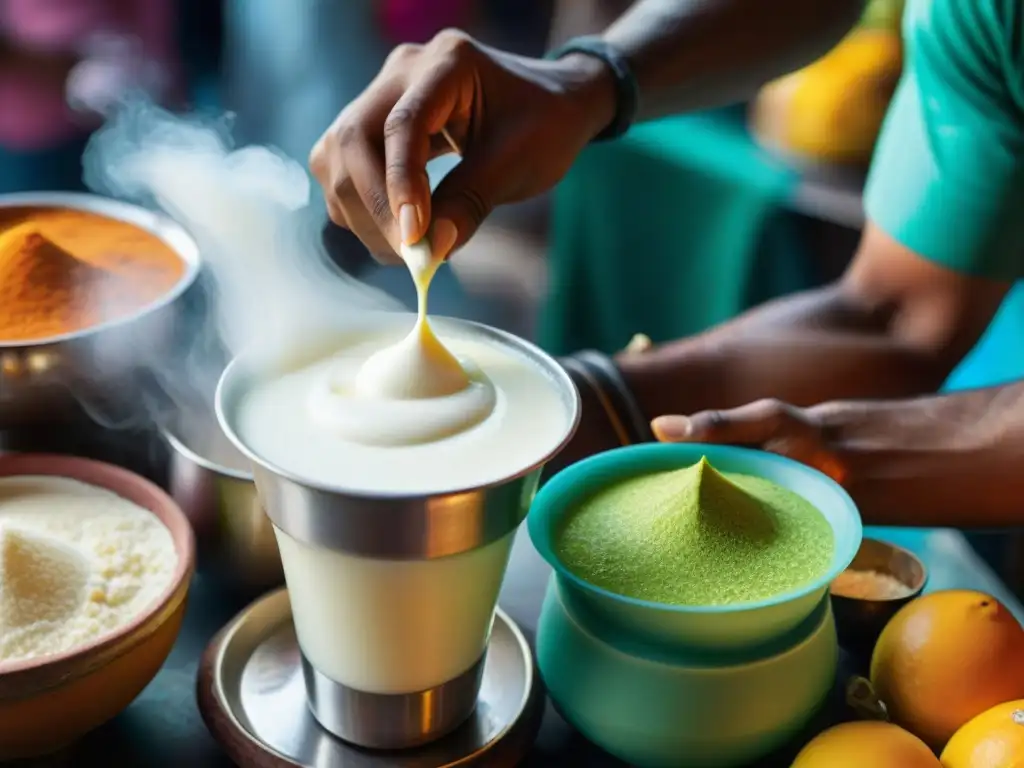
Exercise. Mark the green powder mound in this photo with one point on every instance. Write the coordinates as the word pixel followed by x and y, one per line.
pixel 695 536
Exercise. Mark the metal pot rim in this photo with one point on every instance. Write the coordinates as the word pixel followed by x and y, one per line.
pixel 153 222
pixel 228 385
pixel 179 447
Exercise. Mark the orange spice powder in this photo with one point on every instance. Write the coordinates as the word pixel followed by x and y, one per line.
pixel 63 271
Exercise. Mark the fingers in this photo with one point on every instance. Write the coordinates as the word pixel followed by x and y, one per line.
pixel 463 199
pixel 372 161
pixel 367 207
pixel 348 162
pixel 757 423
pixel 671 429
pixel 349 165
pixel 420 115
pixel 770 425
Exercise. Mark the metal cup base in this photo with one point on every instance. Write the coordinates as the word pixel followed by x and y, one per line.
pixel 392 721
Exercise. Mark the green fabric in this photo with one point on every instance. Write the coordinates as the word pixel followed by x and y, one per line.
pixel 947 179
pixel 667 231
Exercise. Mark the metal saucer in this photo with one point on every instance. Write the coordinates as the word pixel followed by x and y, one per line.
pixel 253 700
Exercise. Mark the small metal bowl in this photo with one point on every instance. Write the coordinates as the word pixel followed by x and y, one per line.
pixel 213 484
pixel 863 605
pixel 64 374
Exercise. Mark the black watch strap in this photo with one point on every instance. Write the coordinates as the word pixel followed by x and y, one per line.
pixel 627 93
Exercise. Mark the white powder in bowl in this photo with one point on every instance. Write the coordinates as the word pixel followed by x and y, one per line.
pixel 77 562
pixel 869 585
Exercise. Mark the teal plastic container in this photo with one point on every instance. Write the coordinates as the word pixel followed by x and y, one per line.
pixel 738 626
pixel 664 686
pixel 658 709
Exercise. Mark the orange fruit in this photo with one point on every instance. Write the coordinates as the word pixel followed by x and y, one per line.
pixel 866 744
pixel 946 658
pixel 994 739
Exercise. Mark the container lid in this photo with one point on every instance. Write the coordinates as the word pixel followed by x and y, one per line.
pixel 253 700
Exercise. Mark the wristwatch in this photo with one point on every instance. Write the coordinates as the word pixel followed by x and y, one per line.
pixel 627 93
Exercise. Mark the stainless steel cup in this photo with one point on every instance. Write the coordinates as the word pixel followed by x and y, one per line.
pixel 213 484
pixel 466 531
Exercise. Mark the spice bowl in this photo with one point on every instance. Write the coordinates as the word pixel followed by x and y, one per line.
pixel 78 369
pixel 48 703
pixel 735 626
pixel 685 686
pixel 881 579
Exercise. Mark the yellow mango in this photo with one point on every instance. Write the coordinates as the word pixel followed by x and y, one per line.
pixel 832 110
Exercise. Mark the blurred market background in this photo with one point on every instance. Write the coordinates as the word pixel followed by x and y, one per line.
pixel 680 225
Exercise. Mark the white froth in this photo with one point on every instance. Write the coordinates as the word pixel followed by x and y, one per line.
pixel 77 562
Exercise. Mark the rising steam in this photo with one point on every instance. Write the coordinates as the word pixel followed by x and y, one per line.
pixel 247 207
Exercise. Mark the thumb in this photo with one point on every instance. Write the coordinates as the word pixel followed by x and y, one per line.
pixel 753 424
pixel 671 429
pixel 466 196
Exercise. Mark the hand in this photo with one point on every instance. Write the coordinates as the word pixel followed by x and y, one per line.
pixel 518 123
pixel 803 434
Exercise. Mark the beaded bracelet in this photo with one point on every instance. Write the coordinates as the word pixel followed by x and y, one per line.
pixel 623 412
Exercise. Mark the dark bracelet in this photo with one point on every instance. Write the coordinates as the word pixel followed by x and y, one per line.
pixel 627 92
pixel 600 375
pixel 583 377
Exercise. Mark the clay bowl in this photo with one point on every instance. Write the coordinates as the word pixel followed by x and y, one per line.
pixel 862 613
pixel 48 703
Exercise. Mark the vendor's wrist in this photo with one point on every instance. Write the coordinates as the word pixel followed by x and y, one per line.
pixel 588 85
pixel 655 377
pixel 631 369
pixel 598 374
pixel 594 433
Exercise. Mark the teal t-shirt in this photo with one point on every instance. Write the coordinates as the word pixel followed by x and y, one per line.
pixel 947 180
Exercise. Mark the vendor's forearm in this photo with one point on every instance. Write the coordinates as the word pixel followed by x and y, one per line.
pixel 950 460
pixel 696 54
pixel 804 349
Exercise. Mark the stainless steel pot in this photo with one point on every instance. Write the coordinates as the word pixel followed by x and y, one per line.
pixel 213 484
pixel 391 531
pixel 92 368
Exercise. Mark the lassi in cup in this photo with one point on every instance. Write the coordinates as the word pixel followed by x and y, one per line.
pixel 394 549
